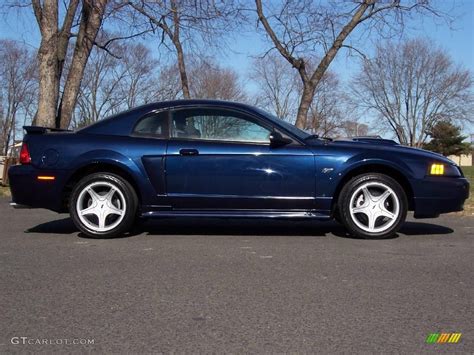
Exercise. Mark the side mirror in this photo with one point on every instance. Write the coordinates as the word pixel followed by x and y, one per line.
pixel 277 140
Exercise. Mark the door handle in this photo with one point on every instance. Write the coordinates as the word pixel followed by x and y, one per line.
pixel 189 152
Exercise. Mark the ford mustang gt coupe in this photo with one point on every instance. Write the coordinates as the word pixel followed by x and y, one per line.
pixel 206 158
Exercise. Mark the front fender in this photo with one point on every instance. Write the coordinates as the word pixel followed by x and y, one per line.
pixel 333 169
pixel 361 160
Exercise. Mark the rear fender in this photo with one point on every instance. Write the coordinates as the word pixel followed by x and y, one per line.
pixel 119 161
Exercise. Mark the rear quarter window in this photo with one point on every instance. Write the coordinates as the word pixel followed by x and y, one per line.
pixel 152 125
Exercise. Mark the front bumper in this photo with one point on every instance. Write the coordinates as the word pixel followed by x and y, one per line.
pixel 28 191
pixel 437 195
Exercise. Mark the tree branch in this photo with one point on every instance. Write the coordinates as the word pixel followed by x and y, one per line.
pixel 296 63
pixel 153 19
pixel 126 37
pixel 38 12
pixel 355 49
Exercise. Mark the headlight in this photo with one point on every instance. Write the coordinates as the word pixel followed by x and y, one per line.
pixel 443 169
pixel 437 169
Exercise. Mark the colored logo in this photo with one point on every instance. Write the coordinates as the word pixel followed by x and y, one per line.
pixel 441 338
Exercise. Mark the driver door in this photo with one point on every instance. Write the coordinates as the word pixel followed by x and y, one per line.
pixel 222 159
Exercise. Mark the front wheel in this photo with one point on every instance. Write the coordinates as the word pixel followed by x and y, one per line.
pixel 372 206
pixel 103 205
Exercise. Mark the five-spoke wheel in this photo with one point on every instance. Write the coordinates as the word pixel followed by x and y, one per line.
pixel 372 206
pixel 103 205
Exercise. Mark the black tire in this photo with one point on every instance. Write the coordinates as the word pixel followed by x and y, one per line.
pixel 130 206
pixel 337 216
pixel 353 223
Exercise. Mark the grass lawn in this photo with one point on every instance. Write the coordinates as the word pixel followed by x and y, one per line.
pixel 469 174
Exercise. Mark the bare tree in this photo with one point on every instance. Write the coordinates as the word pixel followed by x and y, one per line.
pixel 278 87
pixel 139 85
pixel 211 81
pixel 305 29
pixel 184 22
pixel 351 128
pixel 51 55
pixel 55 109
pixel 279 90
pixel 413 85
pixel 18 90
pixel 169 84
pixel 325 116
pixel 111 84
pixel 98 95
pixel 90 22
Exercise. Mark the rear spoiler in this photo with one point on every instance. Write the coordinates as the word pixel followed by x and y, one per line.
pixel 43 130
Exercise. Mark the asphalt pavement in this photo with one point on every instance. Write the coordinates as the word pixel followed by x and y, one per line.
pixel 233 286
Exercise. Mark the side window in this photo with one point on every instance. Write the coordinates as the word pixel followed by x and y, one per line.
pixel 217 124
pixel 153 125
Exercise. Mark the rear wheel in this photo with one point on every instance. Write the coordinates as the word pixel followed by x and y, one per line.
pixel 103 205
pixel 372 206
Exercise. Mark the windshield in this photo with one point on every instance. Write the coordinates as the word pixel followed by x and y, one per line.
pixel 288 126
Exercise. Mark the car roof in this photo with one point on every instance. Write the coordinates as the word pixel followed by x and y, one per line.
pixel 190 102
pixel 193 102
pixel 123 122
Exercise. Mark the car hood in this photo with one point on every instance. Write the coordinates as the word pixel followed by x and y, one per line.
pixel 389 145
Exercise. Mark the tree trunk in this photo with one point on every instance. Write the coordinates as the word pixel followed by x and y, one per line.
pixel 11 131
pixel 179 50
pixel 182 71
pixel 51 56
pixel 298 63
pixel 65 34
pixel 48 65
pixel 305 102
pixel 174 36
pixel 309 89
pixel 6 139
pixel 91 20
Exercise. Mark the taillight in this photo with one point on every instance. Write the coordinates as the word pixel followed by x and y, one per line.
pixel 25 157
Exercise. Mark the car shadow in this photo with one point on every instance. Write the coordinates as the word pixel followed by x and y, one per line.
pixel 423 228
pixel 59 226
pixel 242 227
pixel 210 226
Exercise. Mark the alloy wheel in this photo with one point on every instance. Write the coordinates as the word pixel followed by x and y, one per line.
pixel 374 207
pixel 101 206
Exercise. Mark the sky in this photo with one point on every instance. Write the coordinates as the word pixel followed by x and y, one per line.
pixel 456 38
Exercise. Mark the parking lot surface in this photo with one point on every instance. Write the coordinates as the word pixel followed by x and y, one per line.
pixel 238 286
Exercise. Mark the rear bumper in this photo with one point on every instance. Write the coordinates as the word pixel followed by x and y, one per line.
pixel 437 195
pixel 29 192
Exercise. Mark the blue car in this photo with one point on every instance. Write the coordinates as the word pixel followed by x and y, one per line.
pixel 207 158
